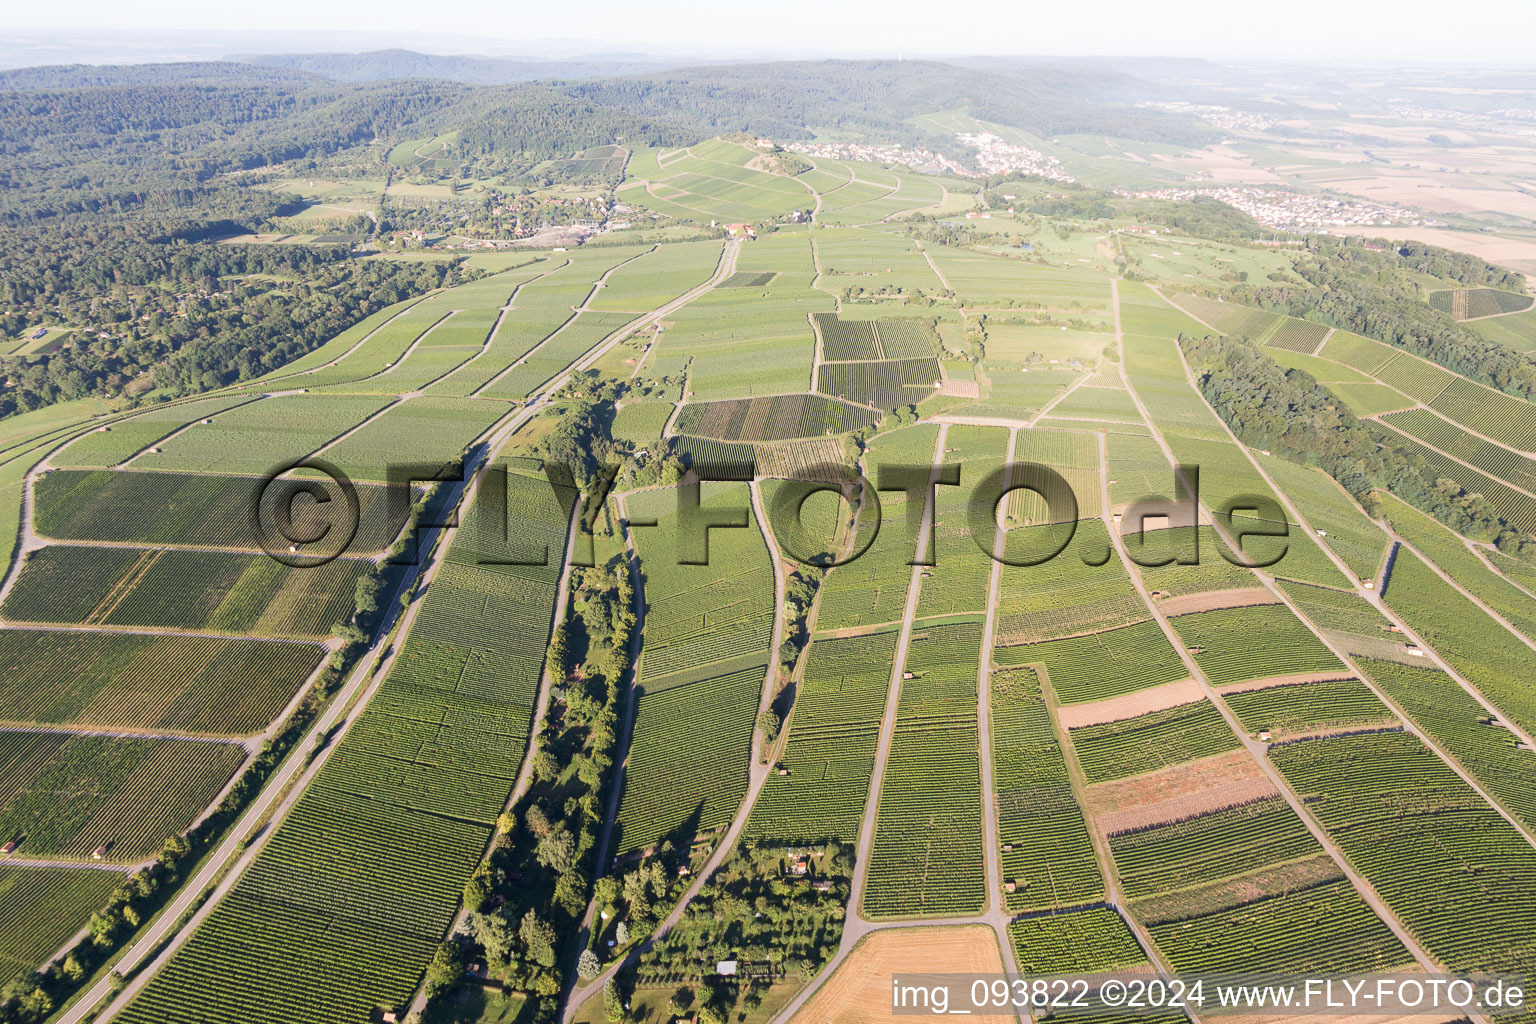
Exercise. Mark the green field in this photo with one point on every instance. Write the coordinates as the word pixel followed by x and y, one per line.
pixel 216 591
pixel 382 842
pixel 66 796
pixel 190 684
pixel 927 857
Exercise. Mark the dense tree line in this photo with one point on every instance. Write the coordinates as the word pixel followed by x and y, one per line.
pixel 167 317
pixel 1290 414
pixel 1373 293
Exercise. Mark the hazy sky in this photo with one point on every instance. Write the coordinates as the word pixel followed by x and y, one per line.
pixel 1331 31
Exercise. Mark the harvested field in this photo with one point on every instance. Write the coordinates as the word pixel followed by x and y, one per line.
pixel 1169 695
pixel 860 991
pixel 1176 793
pixel 1272 681
pixel 1241 597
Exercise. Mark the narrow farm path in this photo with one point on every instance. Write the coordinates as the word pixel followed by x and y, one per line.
pixel 758 773
pixel 535 730
pixel 167 933
pixel 1256 749
pixel 934 267
pixel 1374 597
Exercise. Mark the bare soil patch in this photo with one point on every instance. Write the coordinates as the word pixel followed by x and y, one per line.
pixel 1237 597
pixel 1291 680
pixel 1176 793
pixel 1129 705
pixel 860 990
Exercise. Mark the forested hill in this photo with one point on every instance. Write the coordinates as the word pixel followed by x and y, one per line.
pixel 381 65
pixel 878 97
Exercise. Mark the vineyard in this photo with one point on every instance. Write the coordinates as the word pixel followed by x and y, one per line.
pixel 884 385
pixel 1364 354
pixel 188 683
pixel 1455 720
pixel 641 423
pixel 261 436
pixel 747 280
pixel 1047 852
pixel 1210 568
pixel 1233 645
pixel 1477 647
pixel 1471 303
pixel 1232 317
pixel 1210 847
pixel 1350 533
pixel 1099 665
pixel 1095 939
pixel 772 419
pixel 216 591
pixel 1301 708
pixel 846 339
pixel 382 842
pixel 551 357
pixel 422 432
pixel 186 508
pixel 704 653
pixel 1349 622
pixel 110 445
pixel 1443 860
pixel 960 576
pixel 1504 418
pixel 1294 927
pixel 1135 746
pixel 1495 460
pixel 873 588
pixel 1068 594
pixel 832 737
pixel 927 858
pixel 69 795
pixel 40 908
pixel 1297 335
pixel 1449 552
pixel 687 766
pixel 1417 378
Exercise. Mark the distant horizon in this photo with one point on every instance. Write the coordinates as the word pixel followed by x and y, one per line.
pixel 1307 33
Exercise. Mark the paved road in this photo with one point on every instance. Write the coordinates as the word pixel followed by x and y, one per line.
pixel 266 806
pixel 272 801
